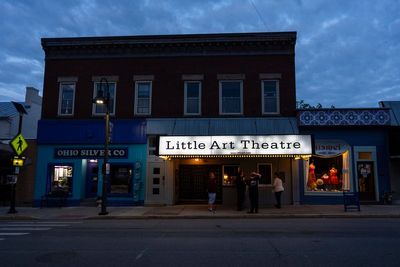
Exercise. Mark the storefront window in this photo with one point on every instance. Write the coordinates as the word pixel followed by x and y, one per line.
pixel 266 173
pixel 61 179
pixel 120 179
pixel 231 172
pixel 328 174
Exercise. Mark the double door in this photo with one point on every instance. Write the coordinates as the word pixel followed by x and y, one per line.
pixel 193 181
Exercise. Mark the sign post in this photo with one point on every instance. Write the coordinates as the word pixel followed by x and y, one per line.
pixel 19 145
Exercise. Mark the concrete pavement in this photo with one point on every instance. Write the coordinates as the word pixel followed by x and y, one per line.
pixel 198 212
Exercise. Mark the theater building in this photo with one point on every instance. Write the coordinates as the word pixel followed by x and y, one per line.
pixel 181 106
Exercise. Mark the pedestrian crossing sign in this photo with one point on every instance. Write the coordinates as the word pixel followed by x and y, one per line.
pixel 19 144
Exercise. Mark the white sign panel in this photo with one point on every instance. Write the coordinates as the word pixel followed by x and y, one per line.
pixel 236 145
pixel 330 147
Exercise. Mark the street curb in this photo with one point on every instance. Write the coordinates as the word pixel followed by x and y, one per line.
pixel 269 216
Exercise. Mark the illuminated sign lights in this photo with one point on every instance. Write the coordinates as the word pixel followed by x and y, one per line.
pixel 236 146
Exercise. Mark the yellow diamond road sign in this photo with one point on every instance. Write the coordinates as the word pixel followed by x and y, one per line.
pixel 19 144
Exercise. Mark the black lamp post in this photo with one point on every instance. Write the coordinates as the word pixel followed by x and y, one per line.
pixel 103 98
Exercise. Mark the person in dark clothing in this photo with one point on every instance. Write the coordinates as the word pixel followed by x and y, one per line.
pixel 252 183
pixel 240 190
pixel 212 191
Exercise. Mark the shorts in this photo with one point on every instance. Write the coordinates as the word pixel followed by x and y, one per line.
pixel 211 198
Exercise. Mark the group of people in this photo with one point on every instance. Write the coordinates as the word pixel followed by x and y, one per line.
pixel 252 182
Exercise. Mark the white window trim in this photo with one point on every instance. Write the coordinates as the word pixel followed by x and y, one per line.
pixel 114 99
pixel 60 98
pixel 136 97
pixel 185 98
pixel 272 177
pixel 372 150
pixel 277 97
pixel 241 97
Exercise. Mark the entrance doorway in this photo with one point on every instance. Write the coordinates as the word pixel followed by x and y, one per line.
pixel 193 180
pixel 366 180
pixel 92 175
pixel 156 182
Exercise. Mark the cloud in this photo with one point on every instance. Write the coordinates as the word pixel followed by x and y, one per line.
pixel 346 52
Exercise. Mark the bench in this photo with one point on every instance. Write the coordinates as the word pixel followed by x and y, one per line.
pixel 56 198
pixel 351 201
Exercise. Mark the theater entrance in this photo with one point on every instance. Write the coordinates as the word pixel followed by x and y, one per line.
pixel 193 180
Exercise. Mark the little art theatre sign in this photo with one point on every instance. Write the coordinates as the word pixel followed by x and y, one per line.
pixel 235 145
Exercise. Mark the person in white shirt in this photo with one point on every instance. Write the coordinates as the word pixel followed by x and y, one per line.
pixel 278 189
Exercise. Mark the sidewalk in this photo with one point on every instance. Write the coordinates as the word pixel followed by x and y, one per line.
pixel 199 212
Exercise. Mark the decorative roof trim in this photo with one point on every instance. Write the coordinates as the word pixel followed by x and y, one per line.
pixel 263 43
pixel 344 117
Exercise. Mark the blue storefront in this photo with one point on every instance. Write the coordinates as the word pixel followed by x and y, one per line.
pixel 71 155
pixel 350 154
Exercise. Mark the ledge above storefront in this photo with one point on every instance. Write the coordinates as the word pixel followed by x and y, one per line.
pixel 90 132
pixel 222 126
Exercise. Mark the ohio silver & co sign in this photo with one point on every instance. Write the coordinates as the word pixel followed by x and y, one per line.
pixel 89 153
pixel 236 145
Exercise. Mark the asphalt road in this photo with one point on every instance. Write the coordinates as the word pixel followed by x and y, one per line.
pixel 213 242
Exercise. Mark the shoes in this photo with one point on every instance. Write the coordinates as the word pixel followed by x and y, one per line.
pixel 250 211
pixel 278 207
pixel 210 210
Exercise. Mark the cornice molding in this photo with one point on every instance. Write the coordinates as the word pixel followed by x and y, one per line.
pixel 171 45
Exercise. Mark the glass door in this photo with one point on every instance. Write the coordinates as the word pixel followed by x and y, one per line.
pixel 92 175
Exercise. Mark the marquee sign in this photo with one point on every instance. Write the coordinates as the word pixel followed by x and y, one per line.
pixel 236 145
pixel 89 153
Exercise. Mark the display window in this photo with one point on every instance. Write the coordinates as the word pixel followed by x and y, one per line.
pixel 231 173
pixel 327 173
pixel 265 169
pixel 120 179
pixel 61 178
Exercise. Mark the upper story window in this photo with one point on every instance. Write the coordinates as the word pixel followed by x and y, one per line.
pixel 270 96
pixel 231 97
pixel 143 97
pixel 66 99
pixel 101 89
pixel 192 98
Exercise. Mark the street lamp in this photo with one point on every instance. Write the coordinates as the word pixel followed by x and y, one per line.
pixel 103 98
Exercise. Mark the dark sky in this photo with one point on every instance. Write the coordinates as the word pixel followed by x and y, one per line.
pixel 347 51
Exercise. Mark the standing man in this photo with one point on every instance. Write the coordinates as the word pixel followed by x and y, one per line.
pixel 240 189
pixel 253 191
pixel 278 189
pixel 212 191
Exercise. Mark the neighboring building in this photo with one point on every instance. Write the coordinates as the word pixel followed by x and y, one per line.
pixel 9 124
pixel 351 154
pixel 236 91
pixel 394 147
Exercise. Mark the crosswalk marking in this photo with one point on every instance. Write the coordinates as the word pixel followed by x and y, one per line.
pixel 36 225
pixel 25 229
pixel 14 233
pixel 16 228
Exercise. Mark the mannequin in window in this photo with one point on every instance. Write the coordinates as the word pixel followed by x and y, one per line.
pixel 333 177
pixel 312 181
